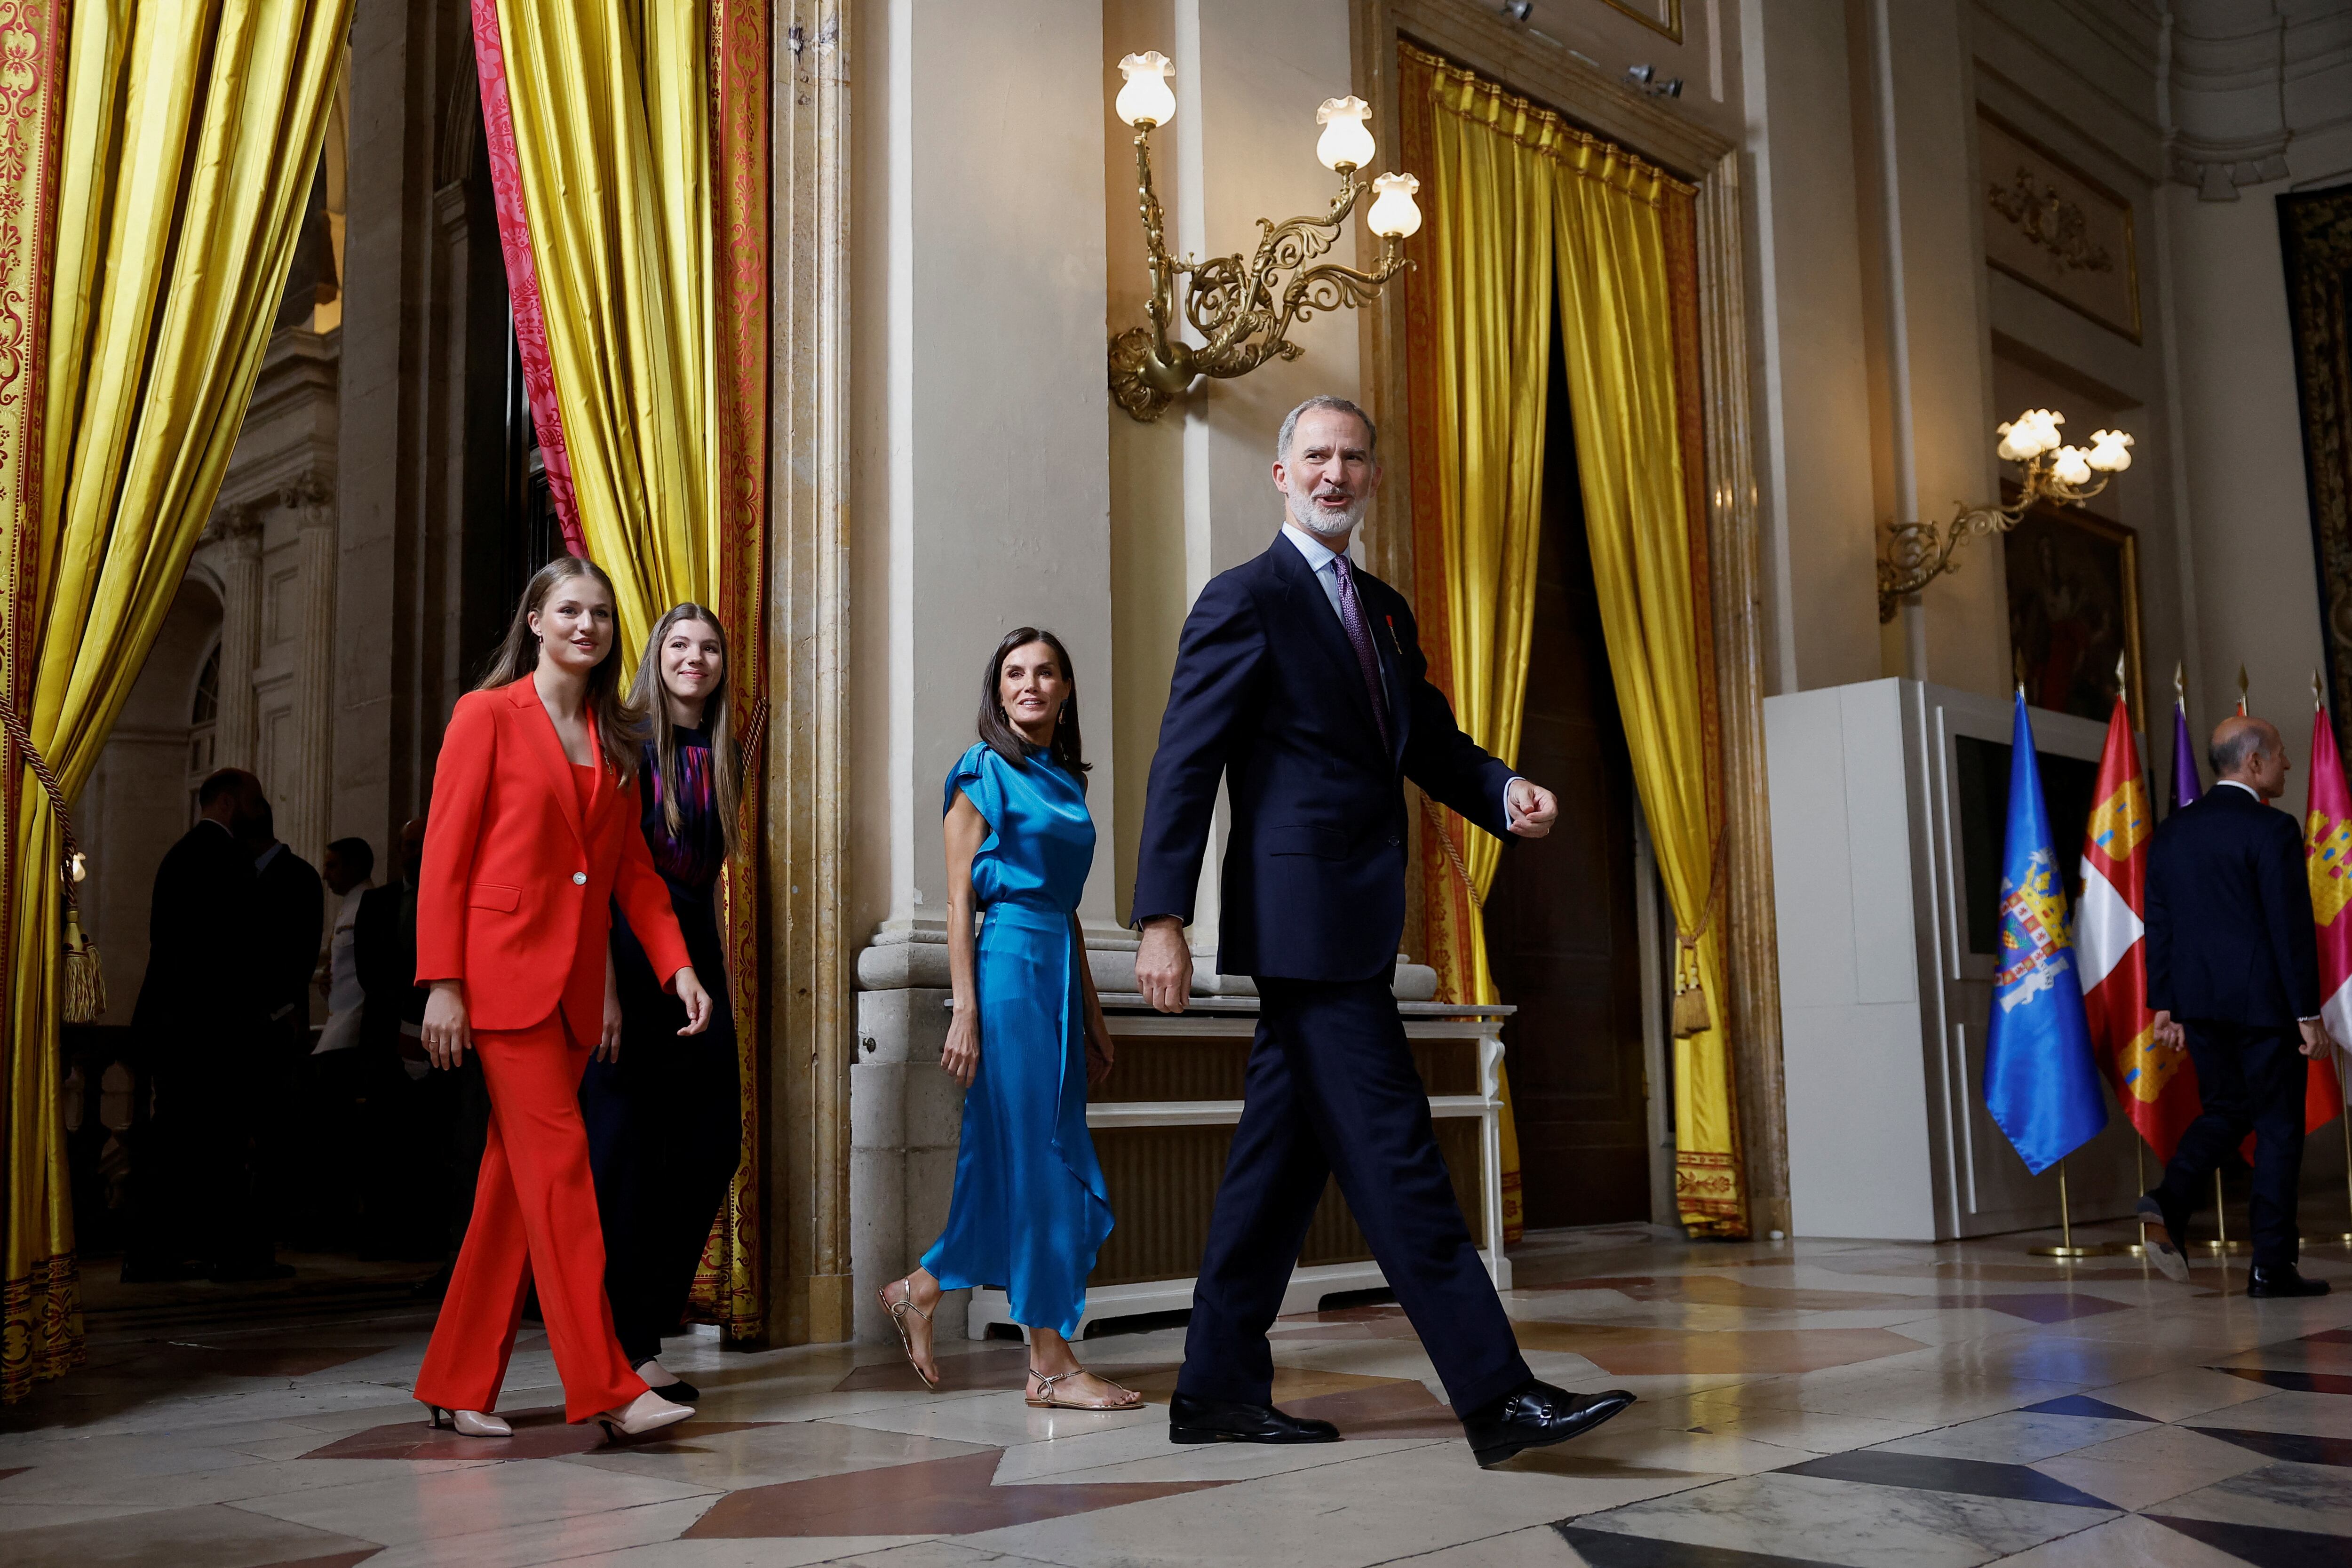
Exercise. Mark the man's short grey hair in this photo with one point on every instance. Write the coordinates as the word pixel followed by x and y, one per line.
pixel 1338 405
pixel 2229 754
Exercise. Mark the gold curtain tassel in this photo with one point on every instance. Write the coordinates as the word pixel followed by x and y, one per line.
pixel 84 979
pixel 1691 1016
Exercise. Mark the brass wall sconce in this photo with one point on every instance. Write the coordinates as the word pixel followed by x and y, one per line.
pixel 1917 552
pixel 1243 311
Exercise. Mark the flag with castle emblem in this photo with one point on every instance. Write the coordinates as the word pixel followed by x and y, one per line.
pixel 2156 1087
pixel 2326 844
pixel 2040 1082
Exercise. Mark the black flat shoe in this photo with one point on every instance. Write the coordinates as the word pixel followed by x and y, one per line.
pixel 1536 1415
pixel 1193 1420
pixel 2269 1283
pixel 2164 1248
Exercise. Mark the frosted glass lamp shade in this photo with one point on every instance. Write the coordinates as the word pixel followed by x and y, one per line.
pixel 2110 451
pixel 1394 215
pixel 1146 99
pixel 2029 435
pixel 1345 142
pixel 2071 466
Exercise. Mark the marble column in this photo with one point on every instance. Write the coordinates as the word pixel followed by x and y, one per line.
pixel 236 531
pixel 312 501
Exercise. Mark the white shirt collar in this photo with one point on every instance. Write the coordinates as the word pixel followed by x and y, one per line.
pixel 2235 784
pixel 1318 554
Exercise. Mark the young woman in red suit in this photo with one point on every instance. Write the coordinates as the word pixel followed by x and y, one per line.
pixel 532 835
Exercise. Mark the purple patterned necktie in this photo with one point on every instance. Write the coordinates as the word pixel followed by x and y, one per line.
pixel 1359 637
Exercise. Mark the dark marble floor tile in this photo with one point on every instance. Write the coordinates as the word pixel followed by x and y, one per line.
pixel 998 1366
pixel 333 1560
pixel 1608 1549
pixel 2300 1382
pixel 14 1470
pixel 936 1497
pixel 1401 1409
pixel 2265 1548
pixel 1934 1473
pixel 2329 1337
pixel 540 1434
pixel 2300 1447
pixel 2050 1307
pixel 2083 1405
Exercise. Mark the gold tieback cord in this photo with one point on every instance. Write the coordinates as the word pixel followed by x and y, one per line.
pixel 1691 1016
pixel 1437 821
pixel 84 979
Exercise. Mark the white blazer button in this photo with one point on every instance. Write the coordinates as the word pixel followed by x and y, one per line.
pixel 579 878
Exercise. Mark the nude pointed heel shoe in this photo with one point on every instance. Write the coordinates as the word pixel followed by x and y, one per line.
pixel 899 1311
pixel 468 1423
pixel 649 1412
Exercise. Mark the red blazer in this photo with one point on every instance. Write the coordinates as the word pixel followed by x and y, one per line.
pixel 516 894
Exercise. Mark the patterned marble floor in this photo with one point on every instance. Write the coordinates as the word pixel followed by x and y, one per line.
pixel 1807 1403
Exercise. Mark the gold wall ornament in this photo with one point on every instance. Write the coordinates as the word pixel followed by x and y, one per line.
pixel 1243 309
pixel 2050 222
pixel 1919 553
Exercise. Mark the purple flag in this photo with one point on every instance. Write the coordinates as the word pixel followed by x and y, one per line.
pixel 2184 787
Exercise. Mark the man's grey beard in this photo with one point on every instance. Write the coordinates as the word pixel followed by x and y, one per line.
pixel 1311 517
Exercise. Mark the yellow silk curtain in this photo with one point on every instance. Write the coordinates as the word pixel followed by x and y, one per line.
pixel 1502 166
pixel 611 102
pixel 186 136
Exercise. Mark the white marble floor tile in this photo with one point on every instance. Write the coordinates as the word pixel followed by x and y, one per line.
pixel 2176 1395
pixel 797 1552
pixel 2150 1464
pixel 654 1524
pixel 2312 1497
pixel 2312 1414
pixel 2014 1437
pixel 400 1508
pixel 1374 1510
pixel 2140 1543
pixel 1001 1419
pixel 1826 1520
pixel 764 1455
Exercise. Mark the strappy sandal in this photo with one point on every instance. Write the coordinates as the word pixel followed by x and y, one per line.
pixel 899 1311
pixel 1045 1387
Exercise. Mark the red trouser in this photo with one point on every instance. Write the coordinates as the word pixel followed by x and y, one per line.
pixel 534 1217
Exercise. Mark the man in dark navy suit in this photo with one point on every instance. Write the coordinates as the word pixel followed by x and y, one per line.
pixel 2233 975
pixel 1300 684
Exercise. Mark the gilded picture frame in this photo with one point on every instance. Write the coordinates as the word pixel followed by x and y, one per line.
pixel 2074 606
pixel 1659 15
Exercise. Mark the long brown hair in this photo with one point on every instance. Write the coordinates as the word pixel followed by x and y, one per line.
pixel 1067 748
pixel 618 725
pixel 648 695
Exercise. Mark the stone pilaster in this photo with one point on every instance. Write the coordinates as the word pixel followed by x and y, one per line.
pixel 311 500
pixel 235 533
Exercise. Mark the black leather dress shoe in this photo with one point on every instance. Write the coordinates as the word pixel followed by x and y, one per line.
pixel 2164 1243
pixel 1536 1415
pixel 2283 1280
pixel 1193 1420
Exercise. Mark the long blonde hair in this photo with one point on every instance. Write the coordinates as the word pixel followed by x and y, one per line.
pixel 648 695
pixel 618 723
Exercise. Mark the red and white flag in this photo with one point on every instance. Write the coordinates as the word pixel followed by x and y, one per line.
pixel 2328 847
pixel 2156 1087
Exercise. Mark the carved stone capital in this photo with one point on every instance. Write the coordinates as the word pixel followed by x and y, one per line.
pixel 233 522
pixel 2216 168
pixel 312 495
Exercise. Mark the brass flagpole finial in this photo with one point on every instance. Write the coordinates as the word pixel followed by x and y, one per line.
pixel 2241 690
pixel 2181 685
pixel 2317 705
pixel 2122 689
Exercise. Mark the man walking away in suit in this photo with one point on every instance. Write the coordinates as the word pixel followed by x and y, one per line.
pixel 332 1077
pixel 1301 683
pixel 2233 975
pixel 412 1112
pixel 196 1023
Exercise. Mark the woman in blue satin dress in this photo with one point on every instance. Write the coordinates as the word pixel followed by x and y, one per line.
pixel 1030 1211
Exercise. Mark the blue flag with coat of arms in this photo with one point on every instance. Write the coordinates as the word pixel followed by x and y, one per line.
pixel 2041 1083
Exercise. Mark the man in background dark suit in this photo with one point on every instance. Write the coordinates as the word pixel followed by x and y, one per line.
pixel 290 910
pixel 412 1112
pixel 197 1023
pixel 2234 976
pixel 1300 684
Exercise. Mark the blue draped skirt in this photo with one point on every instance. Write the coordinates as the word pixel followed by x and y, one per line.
pixel 1030 1210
